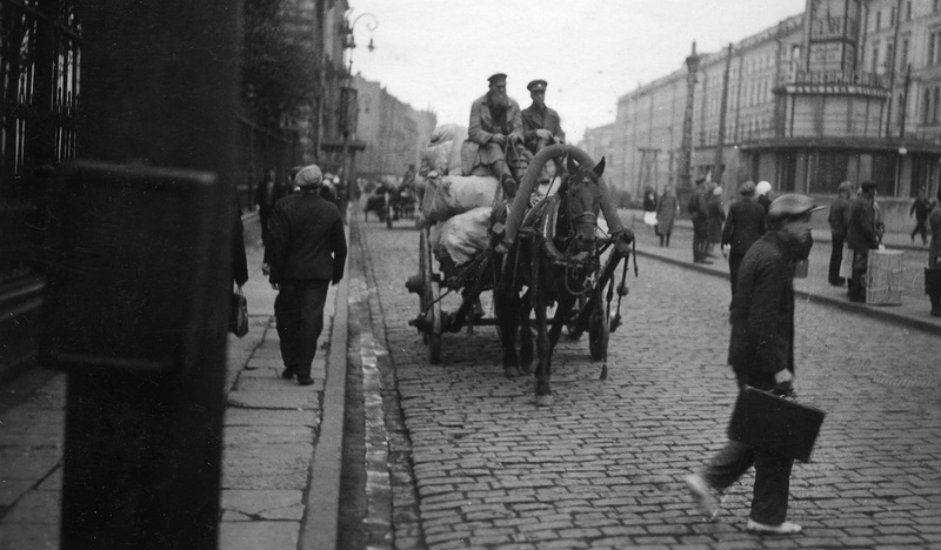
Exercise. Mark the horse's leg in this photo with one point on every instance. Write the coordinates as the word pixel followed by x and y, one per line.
pixel 506 309
pixel 539 299
pixel 561 314
pixel 526 334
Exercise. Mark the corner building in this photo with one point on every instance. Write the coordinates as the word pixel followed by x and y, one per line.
pixel 847 90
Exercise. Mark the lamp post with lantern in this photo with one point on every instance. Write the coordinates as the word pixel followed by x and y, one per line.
pixel 349 108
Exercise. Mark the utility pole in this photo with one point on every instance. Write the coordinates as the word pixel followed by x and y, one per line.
pixel 686 153
pixel 718 166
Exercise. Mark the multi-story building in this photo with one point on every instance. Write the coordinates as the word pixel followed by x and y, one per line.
pixel 393 132
pixel 847 90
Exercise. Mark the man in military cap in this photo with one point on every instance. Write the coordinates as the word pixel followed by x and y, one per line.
pixel 495 119
pixel 541 125
pixel 761 352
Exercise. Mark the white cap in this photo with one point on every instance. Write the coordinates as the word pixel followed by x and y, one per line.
pixel 762 188
pixel 309 176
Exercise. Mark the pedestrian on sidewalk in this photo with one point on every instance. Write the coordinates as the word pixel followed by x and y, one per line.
pixel 716 219
pixel 650 208
pixel 861 237
pixel 838 220
pixel 699 214
pixel 920 209
pixel 933 273
pixel 307 253
pixel 763 194
pixel 744 225
pixel 761 353
pixel 667 210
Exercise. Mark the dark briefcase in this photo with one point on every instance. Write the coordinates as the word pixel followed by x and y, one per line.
pixel 775 424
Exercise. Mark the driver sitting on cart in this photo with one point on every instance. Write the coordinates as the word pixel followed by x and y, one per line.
pixel 496 119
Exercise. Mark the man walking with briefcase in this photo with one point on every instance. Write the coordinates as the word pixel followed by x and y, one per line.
pixel 761 353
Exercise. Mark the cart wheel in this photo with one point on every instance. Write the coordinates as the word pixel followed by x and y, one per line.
pixel 599 328
pixel 427 298
pixel 434 338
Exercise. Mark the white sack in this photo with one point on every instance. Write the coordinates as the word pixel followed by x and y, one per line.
pixel 447 196
pixel 463 236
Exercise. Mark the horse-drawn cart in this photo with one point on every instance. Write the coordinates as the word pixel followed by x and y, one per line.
pixel 587 275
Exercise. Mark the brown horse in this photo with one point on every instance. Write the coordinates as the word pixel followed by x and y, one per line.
pixel 552 258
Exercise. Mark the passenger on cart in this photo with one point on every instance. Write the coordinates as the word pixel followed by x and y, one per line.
pixel 542 127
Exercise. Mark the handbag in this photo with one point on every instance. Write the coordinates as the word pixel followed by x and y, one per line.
pixel 775 424
pixel 238 313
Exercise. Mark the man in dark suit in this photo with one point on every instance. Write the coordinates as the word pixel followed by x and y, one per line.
pixel 267 194
pixel 861 237
pixel 307 253
pixel 743 226
pixel 761 352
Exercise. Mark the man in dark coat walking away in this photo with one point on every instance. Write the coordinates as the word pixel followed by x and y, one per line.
pixel 761 352
pixel 307 253
pixel 861 237
pixel 920 209
pixel 743 226
pixel 698 210
pixel 838 220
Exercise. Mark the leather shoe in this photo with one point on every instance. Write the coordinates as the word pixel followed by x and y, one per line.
pixel 783 528
pixel 304 380
pixel 706 502
pixel 287 373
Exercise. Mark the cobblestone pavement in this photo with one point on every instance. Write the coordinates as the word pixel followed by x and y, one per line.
pixel 603 467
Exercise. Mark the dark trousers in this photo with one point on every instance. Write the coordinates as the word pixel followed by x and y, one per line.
pixel 921 227
pixel 836 257
pixel 299 313
pixel 772 479
pixel 735 261
pixel 856 289
pixel 700 240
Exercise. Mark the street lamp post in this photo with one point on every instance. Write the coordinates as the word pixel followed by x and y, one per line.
pixel 348 99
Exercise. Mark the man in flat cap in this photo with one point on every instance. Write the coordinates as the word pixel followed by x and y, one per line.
pixel 861 237
pixel 495 120
pixel 541 125
pixel 307 251
pixel 761 353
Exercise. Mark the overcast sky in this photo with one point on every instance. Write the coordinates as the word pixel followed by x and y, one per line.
pixel 437 54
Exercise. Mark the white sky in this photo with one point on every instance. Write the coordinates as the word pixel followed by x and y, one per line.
pixel 437 54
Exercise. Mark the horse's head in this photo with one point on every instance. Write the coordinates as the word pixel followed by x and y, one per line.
pixel 582 193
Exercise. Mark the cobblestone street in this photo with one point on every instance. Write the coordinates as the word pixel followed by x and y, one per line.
pixel 603 466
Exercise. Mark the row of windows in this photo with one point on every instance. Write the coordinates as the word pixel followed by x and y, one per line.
pixel 931 106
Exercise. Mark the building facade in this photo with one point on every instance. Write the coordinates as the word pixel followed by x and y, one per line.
pixel 393 132
pixel 847 90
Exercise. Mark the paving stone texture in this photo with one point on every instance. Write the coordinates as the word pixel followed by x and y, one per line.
pixel 603 466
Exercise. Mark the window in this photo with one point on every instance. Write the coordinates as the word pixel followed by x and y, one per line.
pixel 934 47
pixel 903 60
pixel 874 67
pixel 878 20
pixel 908 10
pixel 937 105
pixel 892 16
pixel 926 108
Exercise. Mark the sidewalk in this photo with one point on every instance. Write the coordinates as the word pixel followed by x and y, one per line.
pixel 913 312
pixel 282 442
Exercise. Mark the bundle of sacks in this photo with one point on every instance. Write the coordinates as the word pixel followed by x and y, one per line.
pixel 443 152
pixel 456 207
